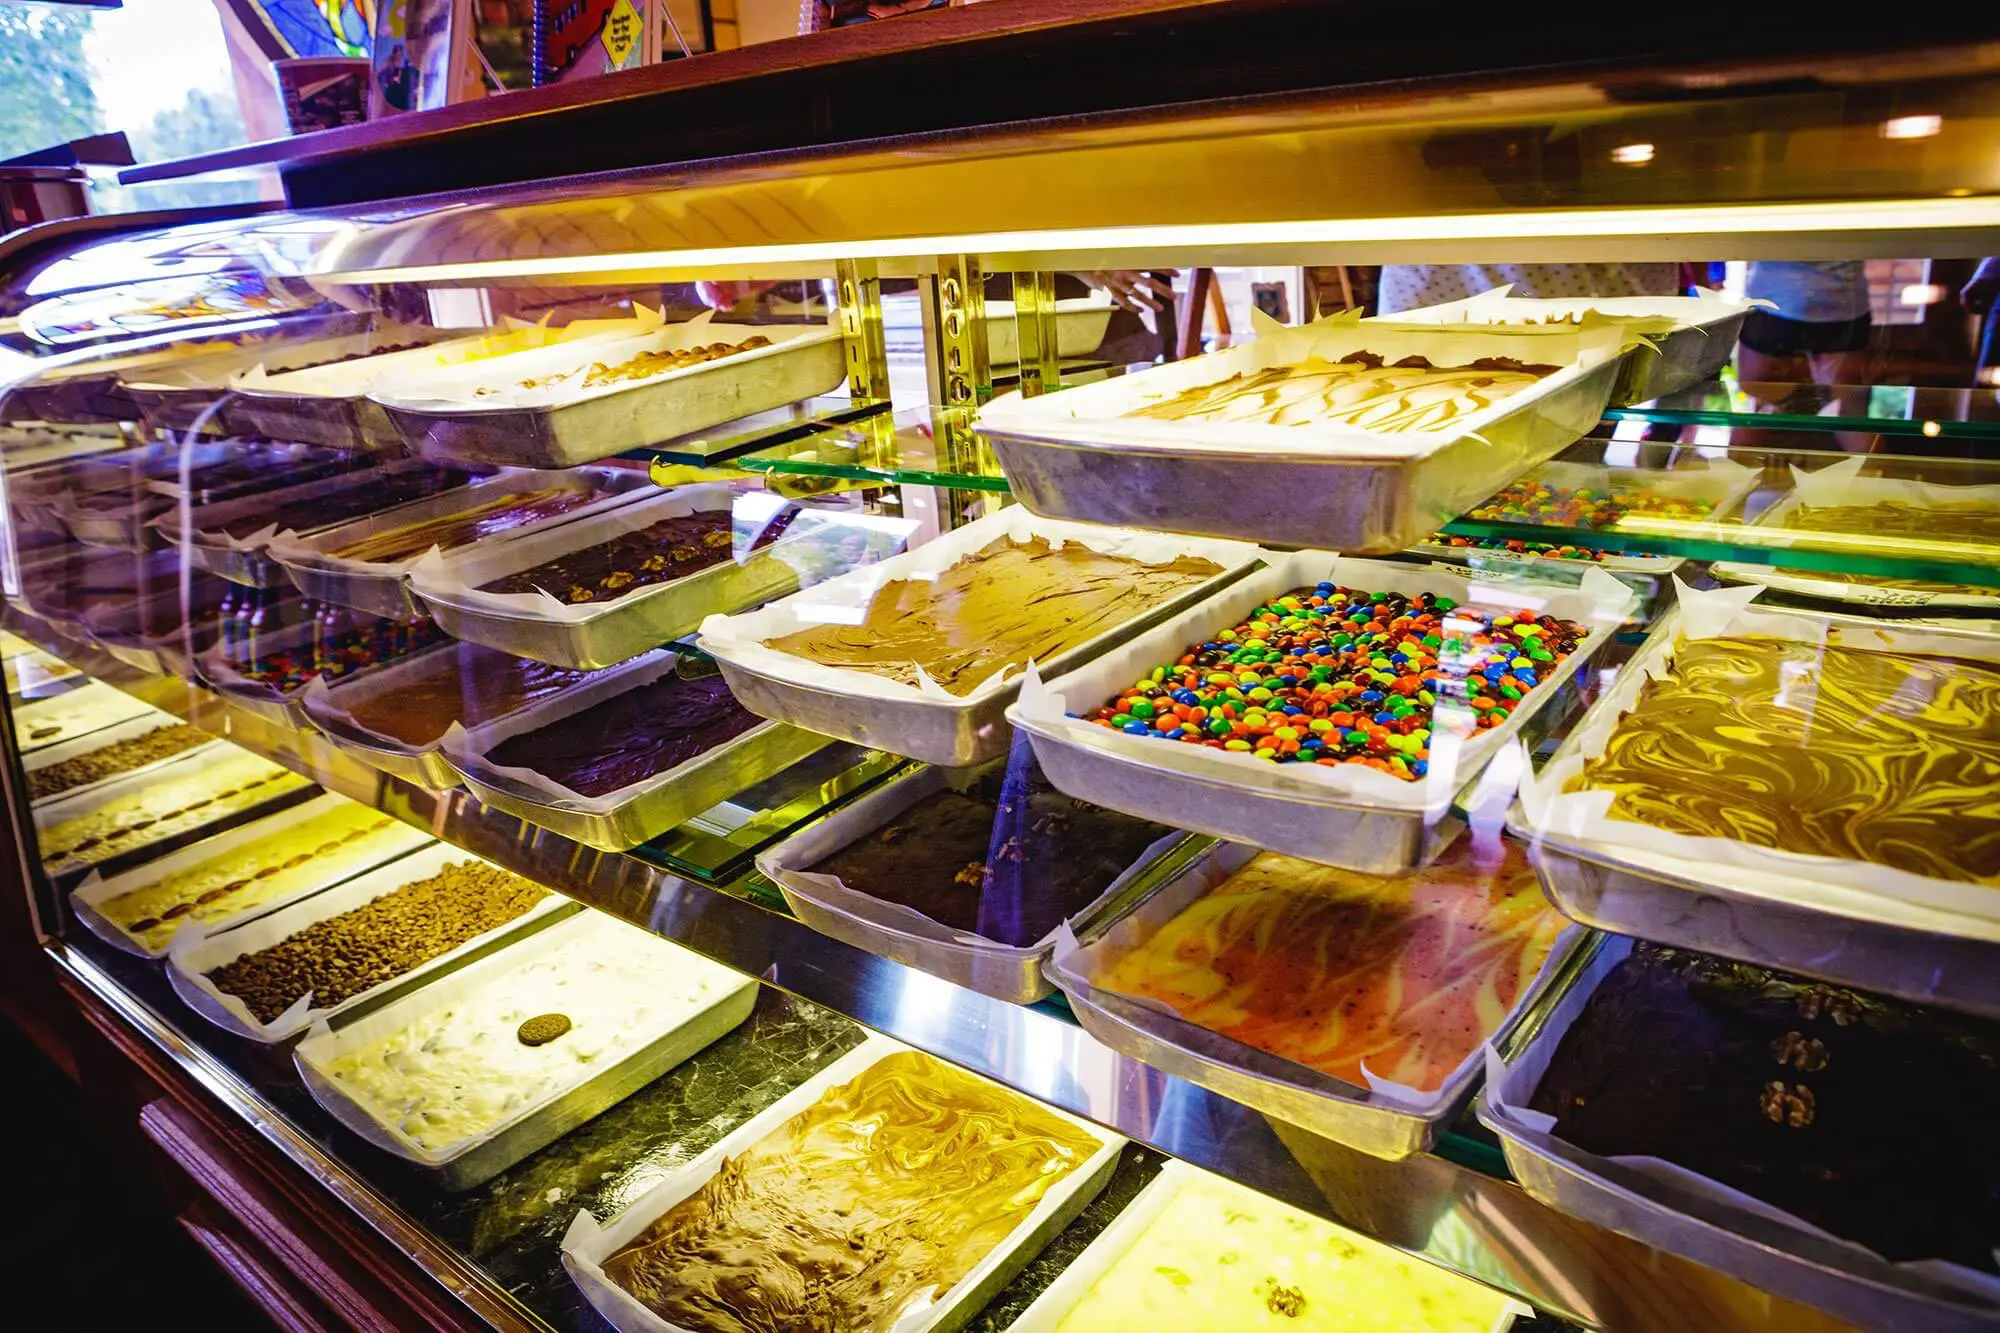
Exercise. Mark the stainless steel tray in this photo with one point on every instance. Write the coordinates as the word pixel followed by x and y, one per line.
pixel 87 897
pixel 631 815
pixel 1923 954
pixel 194 394
pixel 1006 972
pixel 952 732
pixel 1690 354
pixel 218 669
pixel 1358 1117
pixel 1070 456
pixel 199 531
pixel 1387 828
pixel 594 1088
pixel 328 709
pixel 599 634
pixel 441 417
pixel 1765 1252
pixel 381 587
pixel 193 954
pixel 588 1244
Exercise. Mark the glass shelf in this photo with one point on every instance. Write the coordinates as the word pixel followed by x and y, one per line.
pixel 1895 410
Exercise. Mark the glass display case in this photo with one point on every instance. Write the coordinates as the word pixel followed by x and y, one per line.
pixel 516 696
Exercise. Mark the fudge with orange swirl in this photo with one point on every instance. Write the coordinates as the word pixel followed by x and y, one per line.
pixel 1334 969
pixel 1821 750
pixel 881 1195
pixel 1358 390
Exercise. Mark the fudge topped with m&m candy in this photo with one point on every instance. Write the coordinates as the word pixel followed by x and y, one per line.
pixel 1334 675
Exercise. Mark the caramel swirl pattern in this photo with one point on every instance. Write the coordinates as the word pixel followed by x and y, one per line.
pixel 1883 757
pixel 1391 399
pixel 1951 522
pixel 1002 606
pixel 1332 969
pixel 886 1191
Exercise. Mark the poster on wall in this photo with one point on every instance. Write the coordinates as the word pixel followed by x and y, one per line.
pixel 418 62
pixel 576 39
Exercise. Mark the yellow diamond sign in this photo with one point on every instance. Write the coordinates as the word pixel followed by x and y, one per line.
pixel 621 33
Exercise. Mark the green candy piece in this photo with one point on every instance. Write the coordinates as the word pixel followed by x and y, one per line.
pixel 1218 726
pixel 1141 709
pixel 1446 604
pixel 1120 719
pixel 1541 655
pixel 1509 692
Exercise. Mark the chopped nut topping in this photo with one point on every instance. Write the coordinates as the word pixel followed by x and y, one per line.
pixel 972 876
pixel 1806 1054
pixel 1791 1106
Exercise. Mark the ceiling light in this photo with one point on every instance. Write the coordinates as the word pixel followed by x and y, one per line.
pixel 1911 127
pixel 1632 154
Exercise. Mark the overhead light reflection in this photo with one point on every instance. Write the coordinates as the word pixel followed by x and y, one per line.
pixel 1912 127
pixel 1632 154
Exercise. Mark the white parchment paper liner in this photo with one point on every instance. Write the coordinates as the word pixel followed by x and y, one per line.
pixel 1598 602
pixel 588 1242
pixel 1099 414
pixel 1843 484
pixel 1724 483
pixel 455 578
pixel 220 368
pixel 1838 885
pixel 481 386
pixel 1080 967
pixel 471 748
pixel 95 890
pixel 1510 1086
pixel 196 951
pixel 1651 315
pixel 351 379
pixel 205 523
pixel 323 1044
pixel 845 599
pixel 92 741
pixel 819 841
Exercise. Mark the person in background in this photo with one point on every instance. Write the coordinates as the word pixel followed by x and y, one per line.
pixel 1409 286
pixel 1817 334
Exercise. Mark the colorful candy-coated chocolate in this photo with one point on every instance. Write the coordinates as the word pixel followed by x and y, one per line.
pixel 1564 507
pixel 1333 675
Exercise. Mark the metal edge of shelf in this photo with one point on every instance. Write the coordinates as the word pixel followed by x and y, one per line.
pixel 1435 1207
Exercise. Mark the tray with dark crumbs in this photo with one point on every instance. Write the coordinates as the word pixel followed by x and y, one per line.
pixel 355 500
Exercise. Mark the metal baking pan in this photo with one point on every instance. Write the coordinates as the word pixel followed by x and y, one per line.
pixel 159 617
pixel 381 587
pixel 593 1088
pixel 890 930
pixel 220 667
pixel 200 531
pixel 871 710
pixel 185 396
pixel 194 953
pixel 1725 484
pixel 1345 816
pixel 122 526
pixel 130 729
pixel 1843 484
pixel 1370 1121
pixel 329 709
pixel 93 892
pixel 72 583
pixel 1703 332
pixel 1796 918
pixel 629 816
pixel 588 1243
pixel 1080 455
pixel 461 413
pixel 1080 328
pixel 1061 1297
pixel 66 717
pixel 602 634
pixel 1757 1245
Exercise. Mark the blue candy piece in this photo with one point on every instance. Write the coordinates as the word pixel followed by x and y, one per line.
pixel 1420 766
pixel 1137 729
pixel 1526 677
pixel 1293 710
pixel 1371 696
pixel 1385 718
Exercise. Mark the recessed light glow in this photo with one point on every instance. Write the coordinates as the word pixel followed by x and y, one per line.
pixel 1911 127
pixel 1932 430
pixel 1632 154
pixel 1921 293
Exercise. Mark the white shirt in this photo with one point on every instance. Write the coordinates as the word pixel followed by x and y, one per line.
pixel 1408 286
